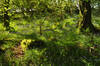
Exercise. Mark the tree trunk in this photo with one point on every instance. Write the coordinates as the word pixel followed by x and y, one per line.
pixel 6 16
pixel 85 16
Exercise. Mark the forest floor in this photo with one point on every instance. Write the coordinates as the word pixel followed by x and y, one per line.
pixel 52 48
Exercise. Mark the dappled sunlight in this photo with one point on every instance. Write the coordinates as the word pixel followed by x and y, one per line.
pixel 49 33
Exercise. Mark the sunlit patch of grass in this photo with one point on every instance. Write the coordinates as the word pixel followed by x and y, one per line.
pixel 4 35
pixel 2 27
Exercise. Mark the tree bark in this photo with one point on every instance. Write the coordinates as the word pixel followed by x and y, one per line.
pixel 85 16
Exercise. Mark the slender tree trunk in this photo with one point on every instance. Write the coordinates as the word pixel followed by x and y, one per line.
pixel 85 16
pixel 41 30
pixel 6 16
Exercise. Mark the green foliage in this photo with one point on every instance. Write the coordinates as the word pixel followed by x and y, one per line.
pixel 51 26
pixel 25 43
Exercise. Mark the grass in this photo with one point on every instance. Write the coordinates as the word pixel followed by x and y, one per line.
pixel 58 46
